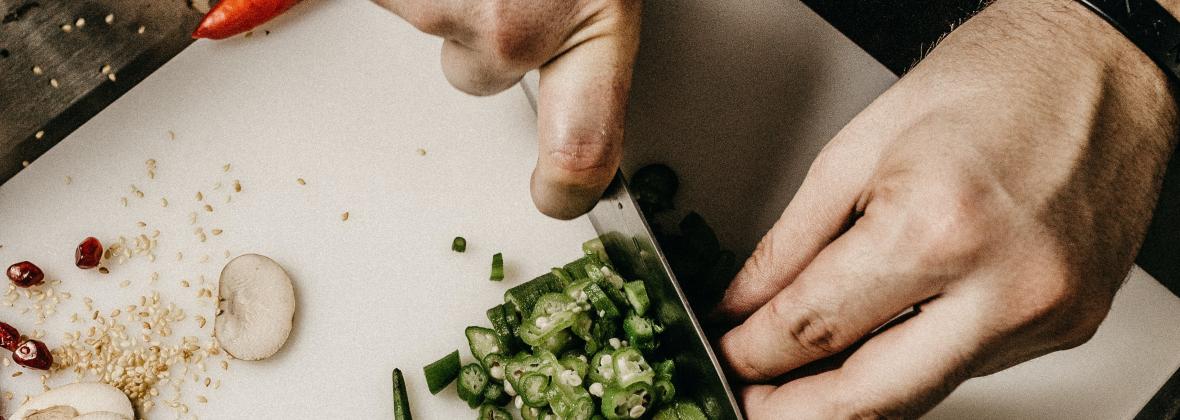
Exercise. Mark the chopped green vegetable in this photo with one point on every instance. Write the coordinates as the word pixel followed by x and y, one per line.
pixel 473 380
pixel 401 402
pixel 523 296
pixel 490 411
pixel 494 394
pixel 483 341
pixel 442 372
pixel 459 244
pixel 637 296
pixel 497 267
pixel 587 312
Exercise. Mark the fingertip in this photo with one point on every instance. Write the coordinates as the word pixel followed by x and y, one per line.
pixel 733 348
pixel 564 198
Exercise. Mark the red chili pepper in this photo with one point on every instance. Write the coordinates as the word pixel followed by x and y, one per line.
pixel 232 17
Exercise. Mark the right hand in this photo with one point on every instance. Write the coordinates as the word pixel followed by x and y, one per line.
pixel 584 49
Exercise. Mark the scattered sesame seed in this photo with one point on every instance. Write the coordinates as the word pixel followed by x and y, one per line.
pixel 69 180
pixel 105 69
pixel 104 270
pixel 164 201
pixel 37 71
pixel 141 30
pixel 80 22
pixel 171 135
pixel 109 19
pixel 54 83
pixel 111 76
pixel 208 208
pixel 225 168
pixel 39 134
pixel 216 232
pixel 237 186
pixel 24 163
pixel 421 152
pixel 344 217
pixel 17 373
pixel 67 28
pixel 200 197
pixel 123 200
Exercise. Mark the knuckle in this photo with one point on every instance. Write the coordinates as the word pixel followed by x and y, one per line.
pixel 814 333
pixel 516 37
pixel 582 155
pixel 948 224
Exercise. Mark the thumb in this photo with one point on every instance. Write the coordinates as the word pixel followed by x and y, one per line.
pixel 581 107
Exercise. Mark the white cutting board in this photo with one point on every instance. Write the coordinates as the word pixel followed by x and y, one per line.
pixel 343 95
pixel 340 94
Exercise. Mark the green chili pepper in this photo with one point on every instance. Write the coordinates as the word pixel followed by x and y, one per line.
pixel 459 244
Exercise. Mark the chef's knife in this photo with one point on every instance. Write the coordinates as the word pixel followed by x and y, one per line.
pixel 632 248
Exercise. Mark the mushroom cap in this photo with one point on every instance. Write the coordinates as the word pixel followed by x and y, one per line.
pixel 257 307
pixel 84 397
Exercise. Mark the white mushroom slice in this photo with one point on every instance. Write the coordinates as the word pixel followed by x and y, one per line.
pixel 256 309
pixel 80 399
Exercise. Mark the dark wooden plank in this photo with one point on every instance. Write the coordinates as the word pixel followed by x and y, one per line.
pixel 31 35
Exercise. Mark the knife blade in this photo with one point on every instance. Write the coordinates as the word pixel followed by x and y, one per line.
pixel 632 247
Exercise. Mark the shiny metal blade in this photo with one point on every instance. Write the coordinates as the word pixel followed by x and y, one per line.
pixel 636 255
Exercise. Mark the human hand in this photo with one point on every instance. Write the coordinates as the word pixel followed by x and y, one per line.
pixel 584 49
pixel 1004 185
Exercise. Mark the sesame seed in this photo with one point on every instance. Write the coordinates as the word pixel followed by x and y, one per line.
pixel 171 135
pixel 421 152
pixel 200 196
pixel 111 76
pixel 17 373
pixel 344 217
pixel 300 181
pixel 109 19
pixel 39 135
pixel 225 168
pixel 67 28
pixel 37 71
pixel 105 69
pixel 140 30
pixel 216 232
pixel 54 83
pixel 237 186
pixel 104 270
pixel 24 163
pixel 208 208
pixel 80 22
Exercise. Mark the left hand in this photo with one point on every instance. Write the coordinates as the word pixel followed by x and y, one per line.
pixel 1005 185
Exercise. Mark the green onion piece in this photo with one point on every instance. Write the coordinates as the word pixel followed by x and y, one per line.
pixel 498 267
pixel 442 372
pixel 401 402
pixel 459 244
pixel 473 380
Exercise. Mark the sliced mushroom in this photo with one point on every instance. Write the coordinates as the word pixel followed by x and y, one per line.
pixel 256 309
pixel 74 401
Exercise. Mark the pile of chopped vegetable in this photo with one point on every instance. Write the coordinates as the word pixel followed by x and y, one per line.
pixel 575 343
